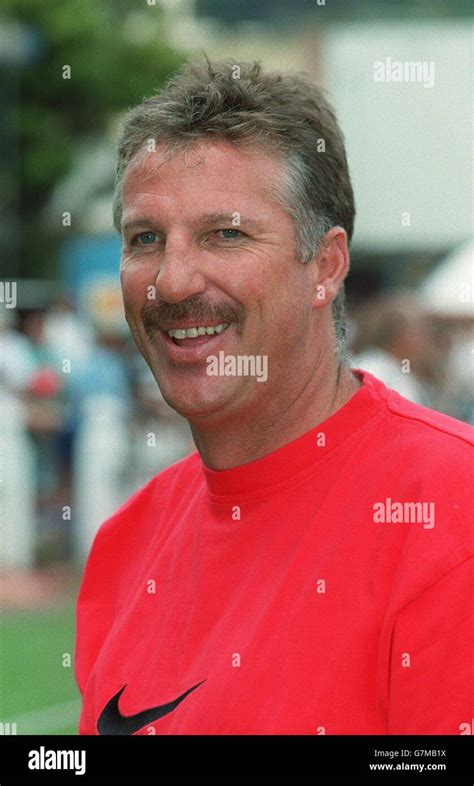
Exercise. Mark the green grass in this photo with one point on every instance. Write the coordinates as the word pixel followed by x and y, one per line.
pixel 32 674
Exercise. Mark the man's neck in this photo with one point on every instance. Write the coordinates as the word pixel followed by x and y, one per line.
pixel 240 441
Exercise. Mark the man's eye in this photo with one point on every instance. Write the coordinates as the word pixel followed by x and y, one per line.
pixel 145 238
pixel 230 234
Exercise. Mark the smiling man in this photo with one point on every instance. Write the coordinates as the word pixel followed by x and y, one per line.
pixel 255 587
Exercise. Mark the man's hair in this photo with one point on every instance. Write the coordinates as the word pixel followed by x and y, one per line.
pixel 282 114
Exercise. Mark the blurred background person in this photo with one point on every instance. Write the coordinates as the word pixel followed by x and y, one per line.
pixel 447 296
pixel 102 395
pixel 394 342
pixel 18 487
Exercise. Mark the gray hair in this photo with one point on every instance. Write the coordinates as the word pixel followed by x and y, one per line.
pixel 283 114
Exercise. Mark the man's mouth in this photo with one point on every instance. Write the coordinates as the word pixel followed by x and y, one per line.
pixel 195 334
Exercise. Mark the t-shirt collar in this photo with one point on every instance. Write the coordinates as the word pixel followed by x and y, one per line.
pixel 287 462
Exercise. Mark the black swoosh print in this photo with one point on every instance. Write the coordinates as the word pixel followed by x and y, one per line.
pixel 111 720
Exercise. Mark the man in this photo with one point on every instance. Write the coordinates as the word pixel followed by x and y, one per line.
pixel 306 570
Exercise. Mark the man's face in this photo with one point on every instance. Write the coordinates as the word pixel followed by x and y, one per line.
pixel 206 244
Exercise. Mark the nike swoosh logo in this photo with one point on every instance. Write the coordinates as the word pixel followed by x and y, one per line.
pixel 112 721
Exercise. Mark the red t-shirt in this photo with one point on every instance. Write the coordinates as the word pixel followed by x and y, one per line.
pixel 322 589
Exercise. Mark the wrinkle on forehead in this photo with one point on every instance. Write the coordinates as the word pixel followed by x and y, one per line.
pixel 148 163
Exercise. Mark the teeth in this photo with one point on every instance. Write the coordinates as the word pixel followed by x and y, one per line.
pixel 194 332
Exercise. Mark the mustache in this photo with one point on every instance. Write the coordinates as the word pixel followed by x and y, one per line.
pixel 195 309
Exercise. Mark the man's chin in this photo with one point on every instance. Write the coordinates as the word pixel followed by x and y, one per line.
pixel 203 403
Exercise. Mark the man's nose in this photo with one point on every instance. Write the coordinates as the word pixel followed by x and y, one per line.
pixel 179 274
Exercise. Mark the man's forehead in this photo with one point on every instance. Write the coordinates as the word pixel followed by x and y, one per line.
pixel 216 180
pixel 215 159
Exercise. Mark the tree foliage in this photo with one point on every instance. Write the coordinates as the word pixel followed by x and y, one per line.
pixel 117 53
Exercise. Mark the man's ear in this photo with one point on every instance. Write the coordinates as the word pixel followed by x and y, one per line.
pixel 331 266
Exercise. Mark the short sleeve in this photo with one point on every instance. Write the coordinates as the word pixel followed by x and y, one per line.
pixel 430 678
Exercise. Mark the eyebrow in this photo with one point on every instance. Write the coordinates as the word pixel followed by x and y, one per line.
pixel 137 222
pixel 205 219
pixel 209 219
